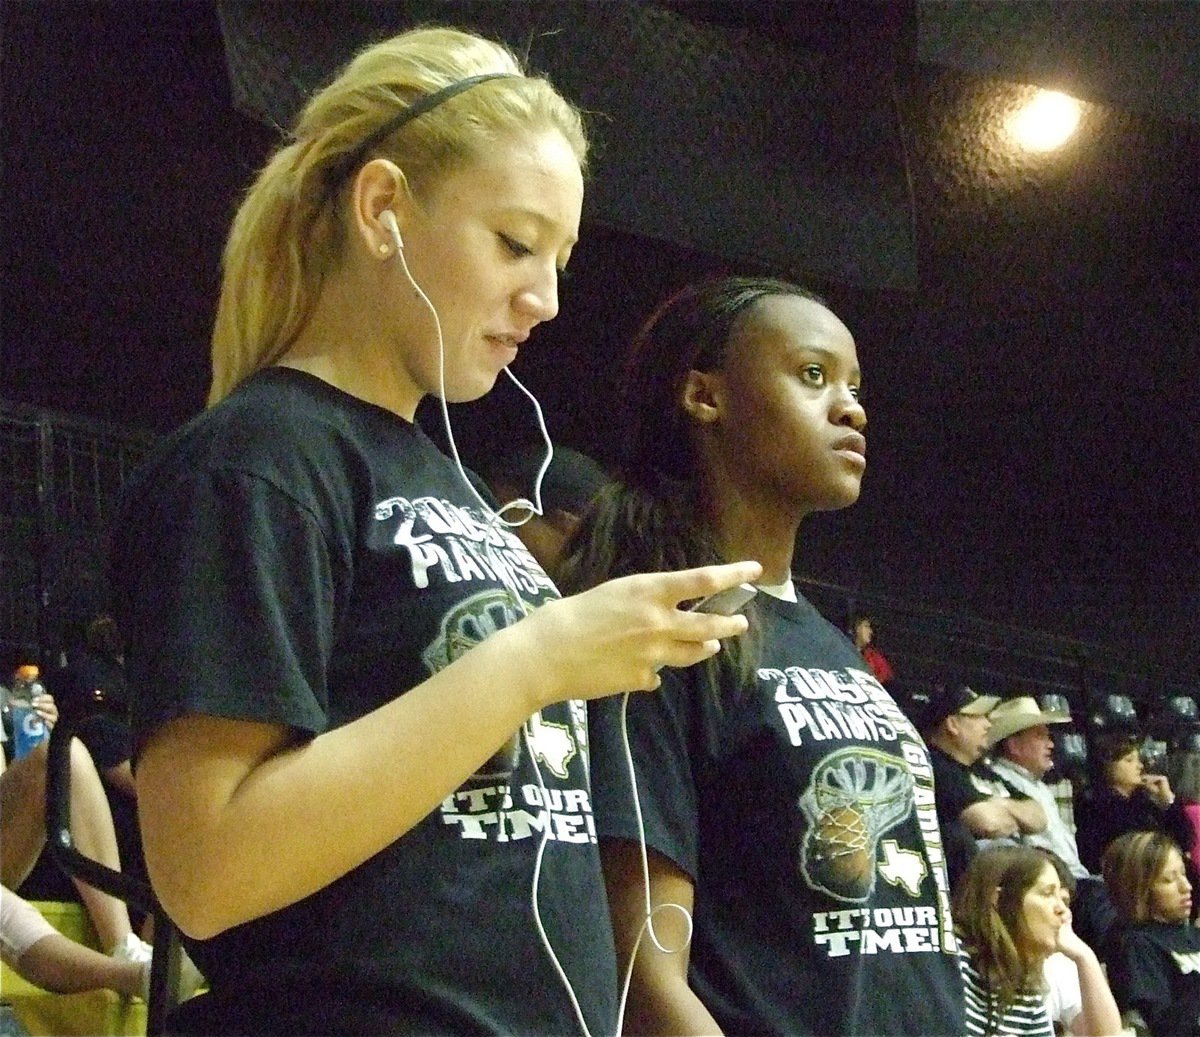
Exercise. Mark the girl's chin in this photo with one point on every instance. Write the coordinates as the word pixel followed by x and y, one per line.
pixel 469 391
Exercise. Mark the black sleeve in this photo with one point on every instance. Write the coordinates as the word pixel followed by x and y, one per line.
pixel 953 790
pixel 1142 980
pixel 107 739
pixel 1095 828
pixel 228 604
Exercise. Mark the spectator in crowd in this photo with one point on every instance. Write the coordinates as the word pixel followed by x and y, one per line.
pixel 30 945
pixel 338 659
pixel 1010 915
pixel 1022 754
pixel 92 676
pixel 862 628
pixel 1078 998
pixel 1183 773
pixel 23 832
pixel 570 482
pixel 776 787
pixel 40 954
pixel 1154 965
pixel 955 722
pixel 1122 797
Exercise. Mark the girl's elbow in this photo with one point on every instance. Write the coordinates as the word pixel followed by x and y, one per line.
pixel 198 908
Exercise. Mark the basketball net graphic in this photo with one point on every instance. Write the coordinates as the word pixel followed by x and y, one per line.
pixel 855 796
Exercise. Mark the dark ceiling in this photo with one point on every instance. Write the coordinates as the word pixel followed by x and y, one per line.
pixel 1032 397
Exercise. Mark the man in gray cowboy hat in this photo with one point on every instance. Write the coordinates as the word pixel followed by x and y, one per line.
pixel 1022 755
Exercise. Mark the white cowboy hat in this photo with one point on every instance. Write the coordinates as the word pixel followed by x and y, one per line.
pixel 1019 714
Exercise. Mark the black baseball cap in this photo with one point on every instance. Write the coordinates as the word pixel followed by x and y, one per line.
pixel 948 699
pixel 569 484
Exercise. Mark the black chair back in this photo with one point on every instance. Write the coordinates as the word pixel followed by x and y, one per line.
pixel 165 963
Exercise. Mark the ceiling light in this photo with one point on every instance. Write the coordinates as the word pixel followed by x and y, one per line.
pixel 1046 121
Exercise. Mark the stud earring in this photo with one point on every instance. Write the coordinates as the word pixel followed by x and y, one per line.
pixel 383 248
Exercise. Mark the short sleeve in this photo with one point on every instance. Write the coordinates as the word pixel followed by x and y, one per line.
pixel 1064 999
pixel 954 789
pixel 21 926
pixel 227 599
pixel 106 738
pixel 658 725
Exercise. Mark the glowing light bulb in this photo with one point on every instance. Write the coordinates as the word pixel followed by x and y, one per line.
pixel 1046 122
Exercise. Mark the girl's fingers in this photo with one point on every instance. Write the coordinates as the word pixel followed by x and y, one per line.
pixel 687 585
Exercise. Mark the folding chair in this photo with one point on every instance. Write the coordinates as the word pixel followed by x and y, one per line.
pixel 165 962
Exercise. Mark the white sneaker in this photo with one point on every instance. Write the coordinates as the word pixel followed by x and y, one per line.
pixel 136 950
pixel 132 948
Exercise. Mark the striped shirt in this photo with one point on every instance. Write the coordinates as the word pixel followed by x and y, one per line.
pixel 1026 1016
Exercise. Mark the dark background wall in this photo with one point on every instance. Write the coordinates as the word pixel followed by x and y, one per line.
pixel 1030 381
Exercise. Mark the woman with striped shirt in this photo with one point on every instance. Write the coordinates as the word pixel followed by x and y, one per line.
pixel 1010 912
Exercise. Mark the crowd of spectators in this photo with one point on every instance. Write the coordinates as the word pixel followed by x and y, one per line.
pixel 1122 840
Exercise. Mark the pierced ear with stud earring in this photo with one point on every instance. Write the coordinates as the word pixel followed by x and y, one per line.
pixel 384 248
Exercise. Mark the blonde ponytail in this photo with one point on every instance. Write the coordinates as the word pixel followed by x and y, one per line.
pixel 287 234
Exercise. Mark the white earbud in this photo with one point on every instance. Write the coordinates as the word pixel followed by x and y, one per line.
pixel 388 219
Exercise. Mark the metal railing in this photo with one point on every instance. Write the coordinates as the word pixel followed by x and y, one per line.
pixel 60 479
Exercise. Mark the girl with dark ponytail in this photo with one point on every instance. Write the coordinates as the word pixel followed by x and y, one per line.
pixel 785 803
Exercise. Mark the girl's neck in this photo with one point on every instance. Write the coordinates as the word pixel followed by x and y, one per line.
pixel 742 535
pixel 750 528
pixel 341 343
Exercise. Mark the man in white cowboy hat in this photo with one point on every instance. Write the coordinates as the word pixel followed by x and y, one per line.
pixel 956 724
pixel 1022 755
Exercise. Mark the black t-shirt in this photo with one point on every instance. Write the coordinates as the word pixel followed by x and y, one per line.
pixel 1156 969
pixel 802 808
pixel 1103 814
pixel 956 790
pixel 297 556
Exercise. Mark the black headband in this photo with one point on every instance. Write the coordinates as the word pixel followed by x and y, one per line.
pixel 418 108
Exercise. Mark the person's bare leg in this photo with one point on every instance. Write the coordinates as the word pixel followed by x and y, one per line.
pixel 22 815
pixel 23 832
pixel 94 836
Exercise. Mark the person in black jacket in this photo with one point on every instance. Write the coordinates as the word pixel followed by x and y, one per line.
pixel 1124 798
pixel 1154 961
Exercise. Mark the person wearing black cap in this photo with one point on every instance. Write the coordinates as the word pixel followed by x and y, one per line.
pixel 570 482
pixel 956 723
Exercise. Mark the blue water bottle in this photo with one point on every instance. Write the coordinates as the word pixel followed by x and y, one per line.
pixel 29 729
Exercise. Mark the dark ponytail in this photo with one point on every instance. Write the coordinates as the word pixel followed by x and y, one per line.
pixel 652 518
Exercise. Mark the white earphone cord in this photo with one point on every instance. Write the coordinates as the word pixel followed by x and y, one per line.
pixel 651 910
pixel 535 508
